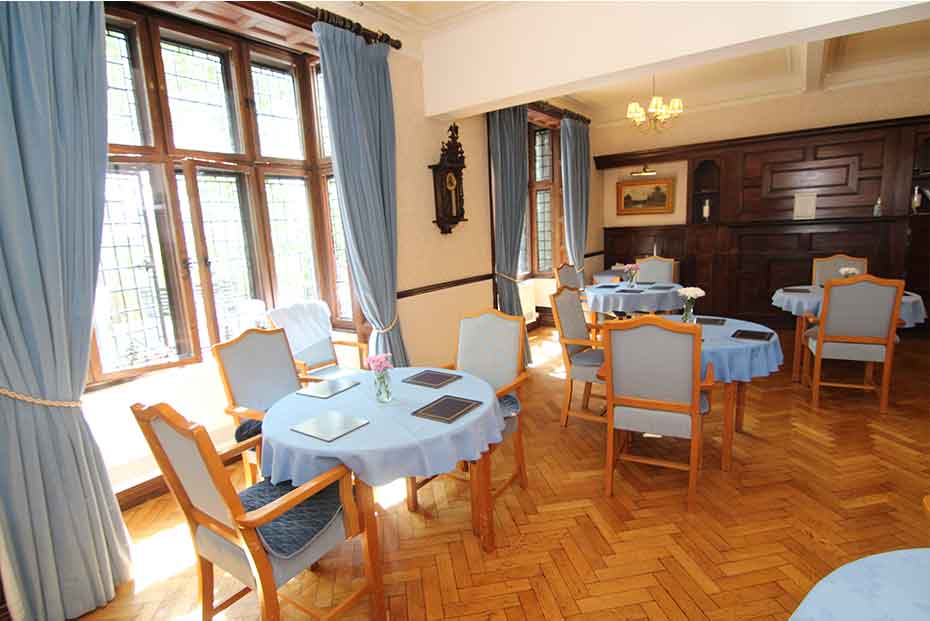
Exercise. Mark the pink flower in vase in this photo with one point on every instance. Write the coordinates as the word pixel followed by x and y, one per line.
pixel 379 363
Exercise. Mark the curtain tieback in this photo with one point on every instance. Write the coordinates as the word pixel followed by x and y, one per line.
pixel 387 329
pixel 18 396
pixel 507 276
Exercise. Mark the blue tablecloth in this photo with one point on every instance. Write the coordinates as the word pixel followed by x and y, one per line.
pixel 738 360
pixel 394 444
pixel 913 311
pixel 616 298
pixel 893 586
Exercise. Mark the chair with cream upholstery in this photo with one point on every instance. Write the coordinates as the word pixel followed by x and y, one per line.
pixel 256 369
pixel 581 355
pixel 654 385
pixel 828 268
pixel 858 321
pixel 491 346
pixel 310 332
pixel 264 535
pixel 657 269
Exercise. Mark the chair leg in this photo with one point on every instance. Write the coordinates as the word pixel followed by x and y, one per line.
pixel 695 460
pixel 567 400
pixel 475 498
pixel 205 573
pixel 413 503
pixel 818 368
pixel 869 379
pixel 248 470
pixel 886 386
pixel 805 367
pixel 371 551
pixel 519 455
pixel 611 460
pixel 586 399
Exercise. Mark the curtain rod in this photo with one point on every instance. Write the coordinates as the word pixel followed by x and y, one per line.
pixel 547 108
pixel 298 14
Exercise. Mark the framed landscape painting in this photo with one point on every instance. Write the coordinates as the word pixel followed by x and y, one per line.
pixel 645 196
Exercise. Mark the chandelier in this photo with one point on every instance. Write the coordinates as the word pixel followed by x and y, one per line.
pixel 658 114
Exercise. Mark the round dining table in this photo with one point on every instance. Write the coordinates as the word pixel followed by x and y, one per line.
pixel 394 444
pixel 800 300
pixel 633 298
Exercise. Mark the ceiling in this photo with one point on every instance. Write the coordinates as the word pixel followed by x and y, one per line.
pixel 427 15
pixel 886 54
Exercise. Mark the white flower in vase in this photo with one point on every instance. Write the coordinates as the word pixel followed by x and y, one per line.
pixel 690 296
pixel 848 272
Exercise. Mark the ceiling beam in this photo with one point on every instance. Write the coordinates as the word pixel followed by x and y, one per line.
pixel 813 65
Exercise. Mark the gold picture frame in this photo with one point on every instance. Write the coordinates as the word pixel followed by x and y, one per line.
pixel 645 196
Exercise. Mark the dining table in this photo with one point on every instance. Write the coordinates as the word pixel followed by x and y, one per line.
pixel 394 443
pixel 736 360
pixel 636 297
pixel 801 300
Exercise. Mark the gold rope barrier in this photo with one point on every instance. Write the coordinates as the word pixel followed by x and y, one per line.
pixel 18 396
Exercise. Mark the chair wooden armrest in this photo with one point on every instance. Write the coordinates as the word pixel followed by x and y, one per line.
pixel 901 323
pixel 355 344
pixel 308 377
pixel 509 388
pixel 263 515
pixel 241 447
pixel 448 365
pixel 708 382
pixel 811 318
pixel 582 342
pixel 244 412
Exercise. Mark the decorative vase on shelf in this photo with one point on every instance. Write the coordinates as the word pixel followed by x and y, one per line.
pixel 380 365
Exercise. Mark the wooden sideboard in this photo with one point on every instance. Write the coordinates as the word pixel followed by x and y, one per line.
pixel 750 246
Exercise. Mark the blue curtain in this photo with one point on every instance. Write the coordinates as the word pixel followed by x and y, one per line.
pixel 357 82
pixel 63 545
pixel 507 135
pixel 576 171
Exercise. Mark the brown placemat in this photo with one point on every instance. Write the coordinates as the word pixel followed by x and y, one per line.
pixel 446 409
pixel 431 379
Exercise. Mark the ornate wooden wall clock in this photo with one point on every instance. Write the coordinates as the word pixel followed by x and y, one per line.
pixel 448 192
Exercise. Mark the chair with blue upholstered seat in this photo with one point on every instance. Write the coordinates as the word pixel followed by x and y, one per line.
pixel 657 269
pixel 654 385
pixel 309 330
pixel 828 268
pixel 581 355
pixel 257 369
pixel 858 321
pixel 491 346
pixel 265 535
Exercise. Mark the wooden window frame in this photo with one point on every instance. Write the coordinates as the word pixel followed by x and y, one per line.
pixel 148 26
pixel 554 186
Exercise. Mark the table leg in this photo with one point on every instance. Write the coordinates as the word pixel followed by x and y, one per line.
pixel 741 389
pixel 729 423
pixel 374 563
pixel 485 502
pixel 798 338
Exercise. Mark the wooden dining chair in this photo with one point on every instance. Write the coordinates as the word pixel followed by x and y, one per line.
pixel 491 346
pixel 567 276
pixel 828 268
pixel 264 535
pixel 582 355
pixel 654 385
pixel 657 269
pixel 310 332
pixel 858 321
pixel 256 369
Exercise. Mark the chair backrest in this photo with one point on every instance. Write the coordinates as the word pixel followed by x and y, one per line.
pixel 309 331
pixel 569 317
pixel 828 268
pixel 192 468
pixel 567 276
pixel 654 363
pixel 257 368
pixel 657 269
pixel 491 346
pixel 863 308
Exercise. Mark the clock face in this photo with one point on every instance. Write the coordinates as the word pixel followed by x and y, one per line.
pixel 451 181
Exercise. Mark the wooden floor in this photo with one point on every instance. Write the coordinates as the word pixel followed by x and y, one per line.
pixel 809 491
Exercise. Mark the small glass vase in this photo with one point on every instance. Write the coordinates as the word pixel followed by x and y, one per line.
pixel 687 315
pixel 383 387
pixel 628 279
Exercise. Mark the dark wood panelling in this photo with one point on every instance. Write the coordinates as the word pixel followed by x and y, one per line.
pixel 439 286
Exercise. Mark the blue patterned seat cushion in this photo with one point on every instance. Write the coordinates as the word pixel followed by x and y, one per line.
pixel 248 429
pixel 289 534
pixel 510 404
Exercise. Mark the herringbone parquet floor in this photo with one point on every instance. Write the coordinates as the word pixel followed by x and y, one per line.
pixel 809 491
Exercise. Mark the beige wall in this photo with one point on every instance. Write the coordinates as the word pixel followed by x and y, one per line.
pixel 611 177
pixel 852 104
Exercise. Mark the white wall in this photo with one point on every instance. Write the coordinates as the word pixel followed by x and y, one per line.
pixel 488 62
pixel 664 170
